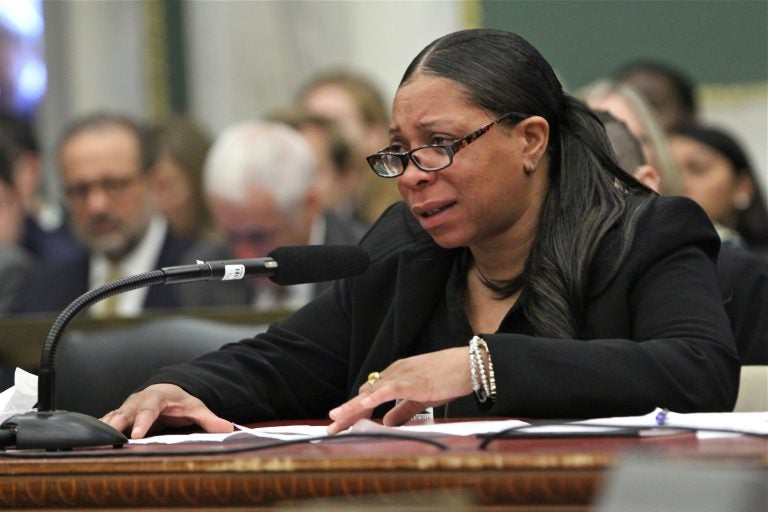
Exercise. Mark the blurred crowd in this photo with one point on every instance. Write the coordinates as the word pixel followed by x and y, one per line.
pixel 136 196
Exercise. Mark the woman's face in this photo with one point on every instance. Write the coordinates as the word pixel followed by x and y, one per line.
pixel 622 110
pixel 708 177
pixel 484 196
pixel 174 195
pixel 10 215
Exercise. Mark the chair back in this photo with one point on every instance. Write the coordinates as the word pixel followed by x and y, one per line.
pixel 97 370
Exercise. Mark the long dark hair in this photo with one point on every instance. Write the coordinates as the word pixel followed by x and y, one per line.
pixel 502 72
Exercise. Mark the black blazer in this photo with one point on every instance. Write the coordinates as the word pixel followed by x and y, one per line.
pixel 743 277
pixel 53 287
pixel 654 334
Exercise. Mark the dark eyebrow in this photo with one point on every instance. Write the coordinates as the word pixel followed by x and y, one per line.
pixel 422 125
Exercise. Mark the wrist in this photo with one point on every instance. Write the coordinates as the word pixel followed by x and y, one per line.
pixel 482 375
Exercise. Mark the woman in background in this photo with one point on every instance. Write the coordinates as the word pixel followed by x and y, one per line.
pixel 181 148
pixel 357 106
pixel 716 174
pixel 626 104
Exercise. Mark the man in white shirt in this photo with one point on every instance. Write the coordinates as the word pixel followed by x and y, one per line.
pixel 104 167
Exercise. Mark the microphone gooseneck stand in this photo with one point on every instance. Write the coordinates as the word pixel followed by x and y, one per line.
pixel 51 429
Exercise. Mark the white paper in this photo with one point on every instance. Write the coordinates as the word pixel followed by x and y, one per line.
pixel 456 428
pixel 282 433
pixel 726 423
pixel 289 432
pixel 19 398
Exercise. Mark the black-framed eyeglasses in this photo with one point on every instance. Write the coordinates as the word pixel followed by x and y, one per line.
pixel 112 186
pixel 432 157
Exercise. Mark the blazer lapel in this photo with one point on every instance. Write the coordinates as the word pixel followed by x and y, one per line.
pixel 421 282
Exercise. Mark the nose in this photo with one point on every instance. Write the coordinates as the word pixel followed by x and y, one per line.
pixel 97 200
pixel 244 250
pixel 413 177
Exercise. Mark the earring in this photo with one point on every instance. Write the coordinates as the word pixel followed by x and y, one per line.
pixel 528 168
pixel 741 201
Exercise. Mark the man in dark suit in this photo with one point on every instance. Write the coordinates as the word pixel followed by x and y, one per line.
pixel 260 180
pixel 104 167
pixel 44 233
pixel 15 262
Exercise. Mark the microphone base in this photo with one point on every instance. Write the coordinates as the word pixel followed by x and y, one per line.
pixel 61 430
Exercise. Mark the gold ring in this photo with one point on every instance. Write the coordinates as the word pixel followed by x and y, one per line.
pixel 373 377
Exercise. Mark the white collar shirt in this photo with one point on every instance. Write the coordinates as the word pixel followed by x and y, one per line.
pixel 142 259
pixel 295 296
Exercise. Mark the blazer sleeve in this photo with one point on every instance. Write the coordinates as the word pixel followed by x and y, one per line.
pixel 309 362
pixel 279 374
pixel 658 335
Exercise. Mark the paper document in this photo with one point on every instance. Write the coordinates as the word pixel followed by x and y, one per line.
pixel 705 422
pixel 288 432
pixel 755 423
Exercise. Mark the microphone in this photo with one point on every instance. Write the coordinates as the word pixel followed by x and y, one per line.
pixel 51 429
pixel 297 264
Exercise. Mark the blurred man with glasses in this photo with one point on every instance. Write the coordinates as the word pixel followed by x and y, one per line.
pixel 104 162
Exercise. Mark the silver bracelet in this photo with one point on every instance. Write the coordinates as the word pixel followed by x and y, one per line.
pixel 483 382
pixel 491 374
pixel 476 387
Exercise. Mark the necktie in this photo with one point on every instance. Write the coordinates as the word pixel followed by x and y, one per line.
pixel 109 305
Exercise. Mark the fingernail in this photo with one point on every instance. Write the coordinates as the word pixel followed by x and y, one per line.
pixel 332 428
pixel 332 414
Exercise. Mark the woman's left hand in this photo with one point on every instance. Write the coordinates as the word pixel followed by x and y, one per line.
pixel 421 381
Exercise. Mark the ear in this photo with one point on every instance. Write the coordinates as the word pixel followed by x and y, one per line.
pixel 648 176
pixel 156 178
pixel 313 203
pixel 743 192
pixel 26 177
pixel 156 182
pixel 535 132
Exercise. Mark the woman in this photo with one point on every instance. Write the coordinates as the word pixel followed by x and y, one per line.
pixel 579 292
pixel 355 103
pixel 181 152
pixel 624 102
pixel 716 174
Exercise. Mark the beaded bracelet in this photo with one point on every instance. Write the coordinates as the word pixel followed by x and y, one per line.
pixel 491 374
pixel 483 382
pixel 473 371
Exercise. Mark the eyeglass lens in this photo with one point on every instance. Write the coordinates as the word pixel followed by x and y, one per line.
pixel 112 186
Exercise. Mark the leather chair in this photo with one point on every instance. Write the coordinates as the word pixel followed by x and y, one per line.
pixel 97 370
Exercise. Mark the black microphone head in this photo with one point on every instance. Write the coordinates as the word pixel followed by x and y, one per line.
pixel 298 264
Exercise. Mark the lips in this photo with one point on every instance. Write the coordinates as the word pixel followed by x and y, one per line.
pixel 427 212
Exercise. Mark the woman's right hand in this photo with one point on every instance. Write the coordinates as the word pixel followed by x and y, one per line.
pixel 169 405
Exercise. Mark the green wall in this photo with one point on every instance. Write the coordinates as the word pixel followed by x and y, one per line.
pixel 713 41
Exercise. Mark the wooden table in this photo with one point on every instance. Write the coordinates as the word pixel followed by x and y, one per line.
pixel 364 474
